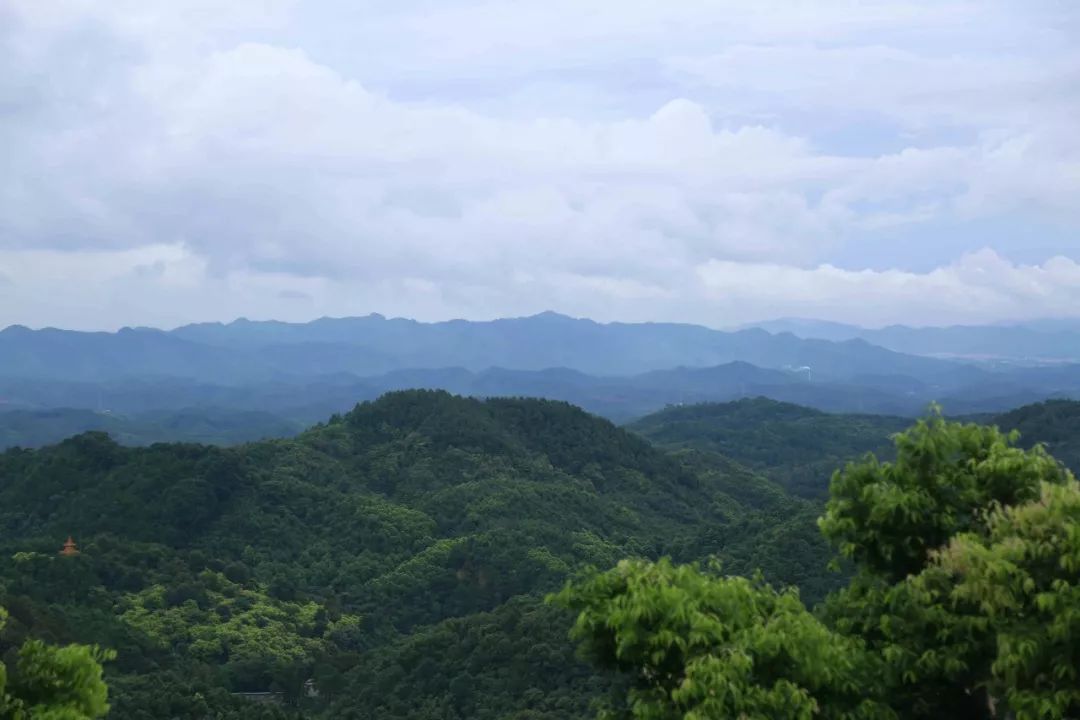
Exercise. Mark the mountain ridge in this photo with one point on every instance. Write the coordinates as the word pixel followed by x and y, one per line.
pixel 1049 340
pixel 376 344
pixel 419 520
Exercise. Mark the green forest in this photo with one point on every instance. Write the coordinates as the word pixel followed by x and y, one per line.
pixel 430 556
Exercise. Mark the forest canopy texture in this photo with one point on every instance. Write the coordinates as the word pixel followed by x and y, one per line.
pixel 964 601
pixel 405 560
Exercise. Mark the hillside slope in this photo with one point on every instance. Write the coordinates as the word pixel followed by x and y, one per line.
pixel 396 554
pixel 1055 424
pixel 799 447
pixel 796 446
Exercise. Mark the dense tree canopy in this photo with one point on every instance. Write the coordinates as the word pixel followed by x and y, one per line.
pixel 398 556
pixel 698 645
pixel 1023 574
pixel 364 553
pixel 963 603
pixel 800 447
pixel 54 683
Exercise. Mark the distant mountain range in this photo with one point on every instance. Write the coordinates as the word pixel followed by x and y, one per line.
pixel 206 376
pixel 243 351
pixel 1037 342
pixel 153 409
pixel 208 426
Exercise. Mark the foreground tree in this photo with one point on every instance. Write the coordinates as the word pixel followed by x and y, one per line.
pixel 964 601
pixel 891 519
pixel 1024 576
pixel 696 645
pixel 54 683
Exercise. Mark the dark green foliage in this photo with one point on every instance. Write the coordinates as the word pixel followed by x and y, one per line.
pixel 962 605
pixel 518 650
pixel 1054 423
pixel 800 447
pixel 796 446
pixel 396 555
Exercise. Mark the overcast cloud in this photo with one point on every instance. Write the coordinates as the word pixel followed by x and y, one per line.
pixel 712 162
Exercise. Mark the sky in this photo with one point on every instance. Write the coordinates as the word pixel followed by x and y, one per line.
pixel 715 162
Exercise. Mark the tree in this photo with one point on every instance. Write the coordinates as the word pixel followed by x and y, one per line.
pixel 889 517
pixel 696 645
pixel 892 519
pixel 54 683
pixel 964 601
pixel 1024 574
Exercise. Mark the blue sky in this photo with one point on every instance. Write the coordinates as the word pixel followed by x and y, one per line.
pixel 712 162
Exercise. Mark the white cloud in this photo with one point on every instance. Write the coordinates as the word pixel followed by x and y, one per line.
pixel 175 286
pixel 278 155
pixel 979 287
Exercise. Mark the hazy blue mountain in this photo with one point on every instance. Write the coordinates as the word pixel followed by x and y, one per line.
pixel 302 372
pixel 362 345
pixel 1035 342
pixel 302 401
pixel 211 426
pixel 97 356
pixel 309 400
pixel 1054 325
pixel 808 328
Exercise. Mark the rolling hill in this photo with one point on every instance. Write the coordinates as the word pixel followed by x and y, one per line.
pixel 397 555
pixel 799 447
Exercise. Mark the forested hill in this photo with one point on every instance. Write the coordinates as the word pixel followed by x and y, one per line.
pixel 799 447
pixel 1055 424
pixel 397 555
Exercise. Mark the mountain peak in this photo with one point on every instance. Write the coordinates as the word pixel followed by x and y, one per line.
pixel 549 315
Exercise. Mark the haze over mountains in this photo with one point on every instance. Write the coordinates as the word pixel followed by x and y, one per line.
pixel 245 379
pixel 1043 341
pixel 244 350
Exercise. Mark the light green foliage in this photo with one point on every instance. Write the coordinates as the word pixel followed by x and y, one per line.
pixel 965 601
pixel 397 555
pixel 1024 575
pixel 889 517
pixel 226 623
pixel 54 683
pixel 702 646
pixel 892 519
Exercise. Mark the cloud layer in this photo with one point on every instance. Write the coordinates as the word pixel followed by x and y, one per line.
pixel 873 162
